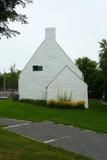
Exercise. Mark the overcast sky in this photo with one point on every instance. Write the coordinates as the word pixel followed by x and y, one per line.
pixel 80 25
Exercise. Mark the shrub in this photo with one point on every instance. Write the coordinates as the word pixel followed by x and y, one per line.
pixel 32 101
pixel 56 103
pixel 66 104
pixel 15 97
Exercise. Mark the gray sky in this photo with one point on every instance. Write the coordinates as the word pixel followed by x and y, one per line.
pixel 80 25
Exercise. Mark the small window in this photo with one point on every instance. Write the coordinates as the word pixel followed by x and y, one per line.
pixel 37 68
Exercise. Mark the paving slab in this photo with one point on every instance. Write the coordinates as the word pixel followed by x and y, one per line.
pixel 69 138
pixel 11 122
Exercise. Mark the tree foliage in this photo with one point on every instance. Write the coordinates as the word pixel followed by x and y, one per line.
pixel 11 79
pixel 1 81
pixel 103 64
pixel 9 14
pixel 92 76
pixel 87 66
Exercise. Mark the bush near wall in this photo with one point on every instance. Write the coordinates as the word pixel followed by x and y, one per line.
pixel 66 104
pixel 35 102
pixel 56 103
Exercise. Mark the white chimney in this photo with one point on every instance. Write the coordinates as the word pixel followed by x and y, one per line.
pixel 50 34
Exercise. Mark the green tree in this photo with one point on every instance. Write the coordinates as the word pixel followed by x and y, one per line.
pixel 1 81
pixel 96 85
pixel 103 64
pixel 12 78
pixel 87 66
pixel 92 76
pixel 9 14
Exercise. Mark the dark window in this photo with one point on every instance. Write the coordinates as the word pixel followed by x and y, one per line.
pixel 37 68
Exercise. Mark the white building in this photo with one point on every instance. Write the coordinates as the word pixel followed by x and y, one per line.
pixel 50 73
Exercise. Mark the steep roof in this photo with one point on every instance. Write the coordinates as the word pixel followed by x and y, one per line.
pixel 61 72
pixel 50 38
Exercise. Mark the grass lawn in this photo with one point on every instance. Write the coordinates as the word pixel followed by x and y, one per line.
pixel 15 147
pixel 95 118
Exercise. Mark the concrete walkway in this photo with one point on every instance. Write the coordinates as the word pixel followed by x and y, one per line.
pixel 69 138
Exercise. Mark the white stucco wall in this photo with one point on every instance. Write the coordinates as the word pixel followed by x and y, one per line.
pixel 32 84
pixel 66 82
